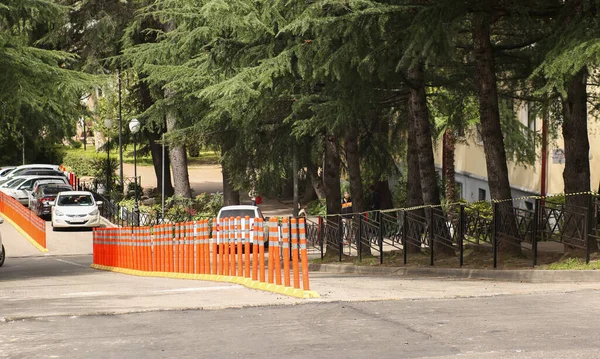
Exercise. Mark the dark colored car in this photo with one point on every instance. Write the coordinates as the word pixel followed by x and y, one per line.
pixel 41 198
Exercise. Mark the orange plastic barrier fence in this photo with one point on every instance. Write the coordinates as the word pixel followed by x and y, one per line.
pixel 231 250
pixel 25 219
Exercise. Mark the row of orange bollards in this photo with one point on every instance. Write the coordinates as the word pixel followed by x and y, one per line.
pixel 235 247
pixel 24 218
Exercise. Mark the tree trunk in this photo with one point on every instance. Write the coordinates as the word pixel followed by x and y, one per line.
pixel 309 194
pixel 577 146
pixel 156 148
pixel 356 187
pixel 231 196
pixel 178 157
pixel 316 180
pixel 576 174
pixel 491 130
pixel 331 176
pixel 449 145
pixel 417 109
pixel 414 194
pixel 156 151
pixel 385 194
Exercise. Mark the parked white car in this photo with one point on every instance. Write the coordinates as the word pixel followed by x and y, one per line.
pixel 75 209
pixel 2 251
pixel 15 171
pixel 21 190
pixel 241 211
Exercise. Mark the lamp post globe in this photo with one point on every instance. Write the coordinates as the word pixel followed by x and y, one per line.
pixel 134 126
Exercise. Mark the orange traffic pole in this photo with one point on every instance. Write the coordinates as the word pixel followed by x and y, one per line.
pixel 233 239
pixel 277 256
pixel 224 247
pixel 255 250
pixel 170 249
pixel 285 235
pixel 215 246
pixel 240 243
pixel 295 266
pixel 247 228
pixel 304 255
pixel 201 248
pixel 206 235
pixel 180 248
pixel 191 246
pixel 272 249
pixel 163 249
pixel 147 242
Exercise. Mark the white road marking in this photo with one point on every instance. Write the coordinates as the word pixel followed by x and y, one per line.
pixel 86 294
pixel 72 263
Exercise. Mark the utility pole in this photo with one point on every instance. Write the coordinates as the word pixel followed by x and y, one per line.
pixel 120 132
pixel 23 142
pixel 296 200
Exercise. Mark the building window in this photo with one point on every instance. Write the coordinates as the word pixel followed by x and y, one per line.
pixel 459 190
pixel 529 205
pixel 531 115
pixel 482 194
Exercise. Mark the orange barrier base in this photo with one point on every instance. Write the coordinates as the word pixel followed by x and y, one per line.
pixel 247 282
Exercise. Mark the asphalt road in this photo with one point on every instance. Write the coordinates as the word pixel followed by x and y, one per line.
pixel 53 305
pixel 558 325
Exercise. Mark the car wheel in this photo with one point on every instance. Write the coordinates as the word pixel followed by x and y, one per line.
pixel 2 255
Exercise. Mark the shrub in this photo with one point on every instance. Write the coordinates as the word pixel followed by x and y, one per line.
pixel 317 208
pixel 76 144
pixel 80 164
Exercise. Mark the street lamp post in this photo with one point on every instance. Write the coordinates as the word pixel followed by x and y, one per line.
pixel 134 127
pixel 108 124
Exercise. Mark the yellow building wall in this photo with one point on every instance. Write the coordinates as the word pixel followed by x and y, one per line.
pixel 470 160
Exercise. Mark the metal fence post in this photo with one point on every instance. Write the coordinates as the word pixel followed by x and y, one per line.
pixel 380 236
pixel 340 237
pixel 431 245
pixel 404 236
pixel 320 236
pixel 359 239
pixel 534 234
pixel 589 227
pixel 494 234
pixel 461 233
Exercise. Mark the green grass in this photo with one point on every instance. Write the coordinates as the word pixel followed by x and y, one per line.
pixel 205 157
pixel 574 264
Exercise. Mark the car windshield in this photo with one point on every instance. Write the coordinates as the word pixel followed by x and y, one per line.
pixel 75 200
pixel 5 171
pixel 53 191
pixel 227 213
pixel 15 183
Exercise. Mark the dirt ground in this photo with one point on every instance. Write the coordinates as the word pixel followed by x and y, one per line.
pixel 206 178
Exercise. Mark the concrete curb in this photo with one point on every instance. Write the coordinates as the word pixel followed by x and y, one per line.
pixel 530 276
pixel 246 282
pixel 38 246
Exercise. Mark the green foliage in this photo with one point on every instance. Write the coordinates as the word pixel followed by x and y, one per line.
pixel 317 208
pixel 399 193
pixel 80 164
pixel 574 264
pixel 482 208
pixel 76 144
